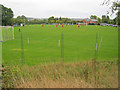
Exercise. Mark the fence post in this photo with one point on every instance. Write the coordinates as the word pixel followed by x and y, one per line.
pixel 62 46
pixel 1 40
pixel 119 44
pixel 22 48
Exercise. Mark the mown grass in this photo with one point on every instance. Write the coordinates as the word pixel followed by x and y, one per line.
pixel 79 44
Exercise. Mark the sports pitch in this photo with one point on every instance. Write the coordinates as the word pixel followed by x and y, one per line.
pixel 43 44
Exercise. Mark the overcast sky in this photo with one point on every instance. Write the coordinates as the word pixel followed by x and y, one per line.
pixel 57 8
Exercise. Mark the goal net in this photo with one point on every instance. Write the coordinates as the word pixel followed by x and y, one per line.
pixel 7 33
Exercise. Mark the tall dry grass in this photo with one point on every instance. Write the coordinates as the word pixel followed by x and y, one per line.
pixel 61 75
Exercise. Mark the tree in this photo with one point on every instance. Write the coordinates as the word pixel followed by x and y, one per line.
pixel 108 19
pixel 118 16
pixel 99 20
pixel 50 19
pixel 69 21
pixel 7 15
pixel 61 21
pixel 116 20
pixel 104 19
pixel 93 17
pixel 111 22
pixel 44 21
pixel 21 19
pixel 14 20
pixel 113 4
pixel 0 15
pixel 55 19
pixel 60 18
pixel 58 21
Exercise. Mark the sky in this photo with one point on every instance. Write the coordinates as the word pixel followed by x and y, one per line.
pixel 57 8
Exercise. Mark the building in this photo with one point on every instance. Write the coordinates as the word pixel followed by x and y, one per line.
pixel 90 21
pixel 85 21
pixel 76 19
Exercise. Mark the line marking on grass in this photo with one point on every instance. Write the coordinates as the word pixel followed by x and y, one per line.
pixel 18 49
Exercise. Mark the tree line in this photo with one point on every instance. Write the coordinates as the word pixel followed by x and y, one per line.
pixel 105 19
pixel 7 19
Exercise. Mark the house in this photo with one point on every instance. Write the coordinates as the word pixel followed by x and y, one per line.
pixel 90 21
pixel 81 23
pixel 85 21
pixel 76 19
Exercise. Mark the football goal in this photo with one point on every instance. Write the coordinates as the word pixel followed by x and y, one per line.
pixel 6 33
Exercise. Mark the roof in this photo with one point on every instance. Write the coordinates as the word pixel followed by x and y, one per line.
pixel 87 19
pixel 94 20
pixel 76 19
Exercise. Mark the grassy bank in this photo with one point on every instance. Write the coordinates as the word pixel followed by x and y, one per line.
pixel 72 75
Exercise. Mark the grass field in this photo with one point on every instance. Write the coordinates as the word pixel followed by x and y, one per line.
pixel 79 44
pixel 41 46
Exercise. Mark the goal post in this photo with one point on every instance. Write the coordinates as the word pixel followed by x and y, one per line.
pixel 1 37
pixel 7 33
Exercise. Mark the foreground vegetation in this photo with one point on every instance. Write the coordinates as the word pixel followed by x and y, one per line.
pixel 61 75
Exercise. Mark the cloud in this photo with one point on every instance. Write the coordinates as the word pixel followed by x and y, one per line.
pixel 66 8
